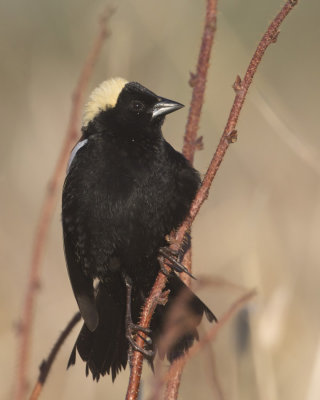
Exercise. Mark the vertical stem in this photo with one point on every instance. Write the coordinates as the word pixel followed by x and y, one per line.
pixel 48 210
pixel 198 81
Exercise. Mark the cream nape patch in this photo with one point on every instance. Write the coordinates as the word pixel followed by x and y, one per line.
pixel 103 97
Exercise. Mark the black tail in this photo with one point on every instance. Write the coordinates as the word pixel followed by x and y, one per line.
pixel 105 350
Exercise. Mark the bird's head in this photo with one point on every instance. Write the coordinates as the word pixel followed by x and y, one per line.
pixel 128 103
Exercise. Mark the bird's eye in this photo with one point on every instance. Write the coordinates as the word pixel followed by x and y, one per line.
pixel 137 106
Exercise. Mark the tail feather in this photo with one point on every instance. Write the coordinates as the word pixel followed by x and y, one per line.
pixel 105 350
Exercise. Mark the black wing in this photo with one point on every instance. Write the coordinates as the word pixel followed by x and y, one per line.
pixel 82 286
pixel 82 283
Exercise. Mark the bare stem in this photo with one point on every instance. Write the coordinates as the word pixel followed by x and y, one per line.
pixel 198 81
pixel 48 208
pixel 47 363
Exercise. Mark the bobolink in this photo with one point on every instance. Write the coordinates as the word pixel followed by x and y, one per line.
pixel 126 189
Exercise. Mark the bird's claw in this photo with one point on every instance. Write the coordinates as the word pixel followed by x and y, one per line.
pixel 132 331
pixel 171 255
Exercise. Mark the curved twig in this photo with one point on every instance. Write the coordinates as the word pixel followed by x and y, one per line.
pixel 47 363
pixel 48 208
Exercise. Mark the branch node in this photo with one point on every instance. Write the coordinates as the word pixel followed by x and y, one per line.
pixel 199 143
pixel 193 79
pixel 51 187
pixel 163 298
pixel 237 86
pixel 232 136
pixel 18 326
pixel 274 36
pixel 36 285
pixel 173 241
pixel 212 25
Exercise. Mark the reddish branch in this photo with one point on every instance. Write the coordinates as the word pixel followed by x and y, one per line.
pixel 49 206
pixel 47 364
pixel 173 383
pixel 229 136
pixel 198 81
pixel 145 319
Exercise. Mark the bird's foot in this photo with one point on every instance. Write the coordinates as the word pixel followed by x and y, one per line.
pixel 133 331
pixel 171 256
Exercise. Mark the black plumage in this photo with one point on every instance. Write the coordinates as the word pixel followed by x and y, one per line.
pixel 126 189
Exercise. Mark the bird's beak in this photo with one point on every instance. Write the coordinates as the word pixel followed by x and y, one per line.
pixel 165 106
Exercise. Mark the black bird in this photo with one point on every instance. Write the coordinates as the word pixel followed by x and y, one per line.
pixel 126 189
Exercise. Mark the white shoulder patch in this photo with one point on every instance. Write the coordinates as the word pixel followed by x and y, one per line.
pixel 74 152
pixel 104 96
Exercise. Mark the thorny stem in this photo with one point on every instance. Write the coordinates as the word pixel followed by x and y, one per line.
pixel 47 364
pixel 228 136
pixel 49 207
pixel 145 319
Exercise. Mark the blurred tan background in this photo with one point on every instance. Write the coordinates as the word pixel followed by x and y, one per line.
pixel 260 227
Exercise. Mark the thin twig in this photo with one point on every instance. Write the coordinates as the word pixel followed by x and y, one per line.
pixel 173 383
pixel 198 81
pixel 48 208
pixel 47 364
pixel 228 136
